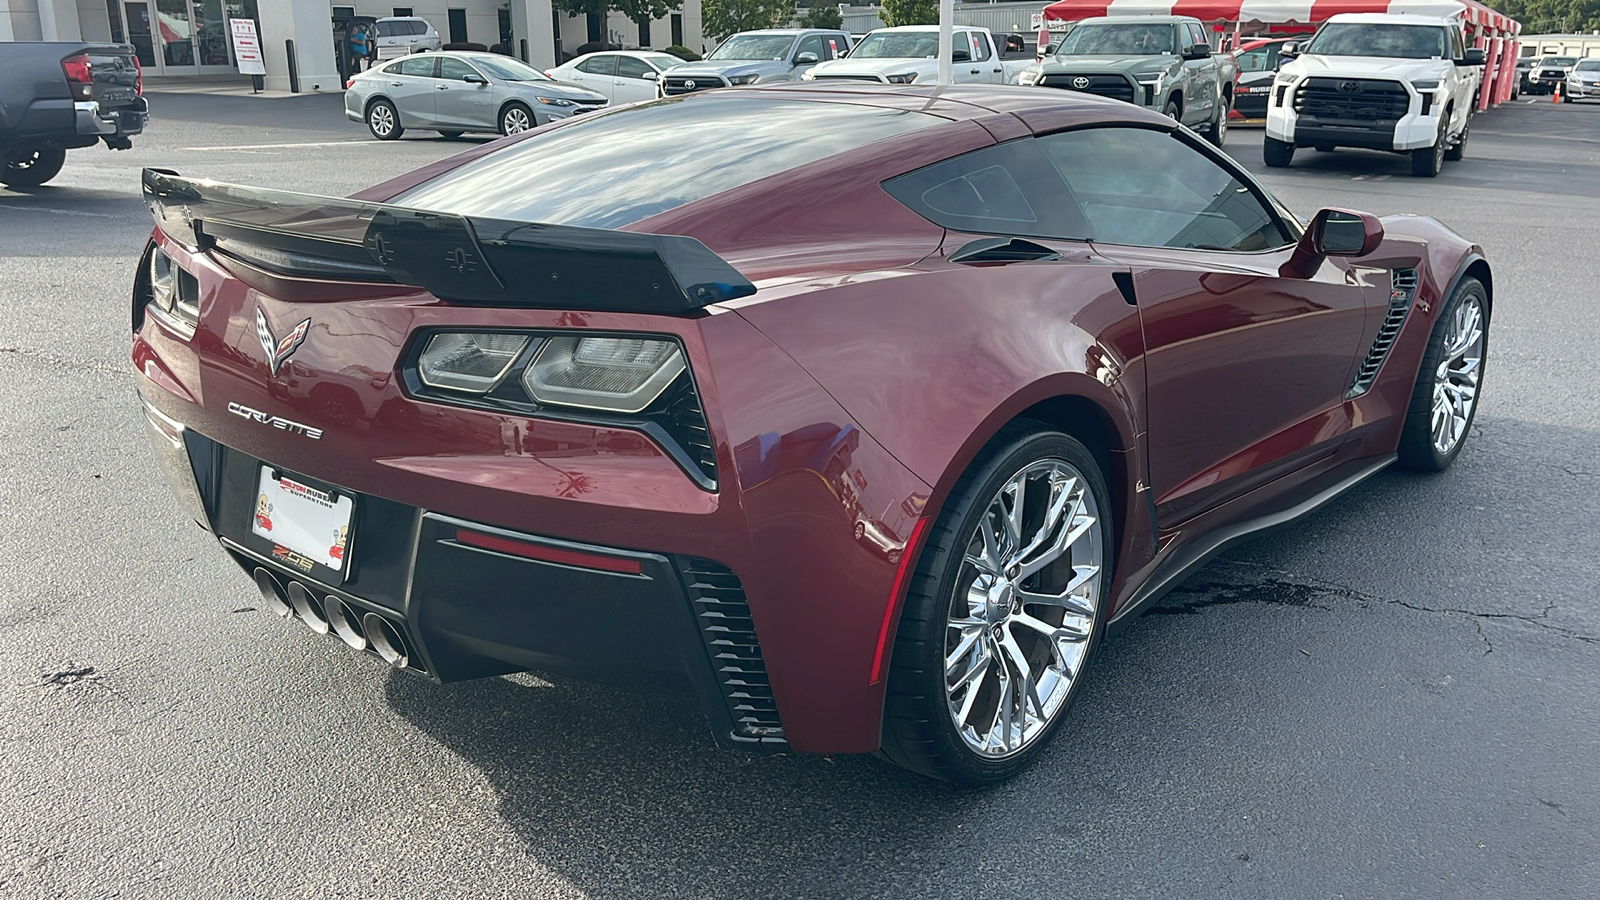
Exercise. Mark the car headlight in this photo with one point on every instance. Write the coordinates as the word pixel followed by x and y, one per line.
pixel 622 375
pixel 1425 85
pixel 1284 78
pixel 556 101
pixel 1148 78
pixel 808 75
pixel 903 78
pixel 468 361
pixel 1028 76
pixel 737 80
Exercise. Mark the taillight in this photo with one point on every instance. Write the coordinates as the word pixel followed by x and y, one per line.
pixel 349 82
pixel 79 78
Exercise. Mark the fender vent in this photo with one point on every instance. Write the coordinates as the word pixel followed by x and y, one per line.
pixel 723 618
pixel 1403 288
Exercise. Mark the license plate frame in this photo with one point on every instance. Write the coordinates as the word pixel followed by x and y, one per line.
pixel 302 524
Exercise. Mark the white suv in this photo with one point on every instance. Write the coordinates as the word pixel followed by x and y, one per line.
pixel 399 35
pixel 1382 82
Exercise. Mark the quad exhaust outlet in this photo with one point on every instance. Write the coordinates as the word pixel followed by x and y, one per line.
pixel 328 614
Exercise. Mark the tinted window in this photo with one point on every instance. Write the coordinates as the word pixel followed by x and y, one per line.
pixel 976 45
pixel 628 67
pixel 418 65
pixel 754 46
pixel 1133 39
pixel 418 27
pixel 608 169
pixel 838 45
pixel 1253 61
pixel 454 69
pixel 1006 189
pixel 812 44
pixel 1150 189
pixel 604 64
pixel 1391 41
pixel 898 45
pixel 508 69
pixel 385 29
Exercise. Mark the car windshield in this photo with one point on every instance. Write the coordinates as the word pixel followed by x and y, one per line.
pixel 1588 65
pixel 611 169
pixel 663 60
pixel 508 69
pixel 1562 61
pixel 1373 39
pixel 898 45
pixel 754 46
pixel 1118 40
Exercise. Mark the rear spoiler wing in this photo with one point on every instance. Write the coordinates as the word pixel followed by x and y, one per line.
pixel 465 259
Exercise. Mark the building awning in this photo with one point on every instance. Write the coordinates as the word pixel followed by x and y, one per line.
pixel 1280 12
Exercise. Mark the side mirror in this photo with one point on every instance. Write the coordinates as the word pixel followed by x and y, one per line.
pixel 1048 50
pixel 1333 232
pixel 960 55
pixel 1474 57
pixel 806 59
pixel 1198 51
pixel 1289 50
pixel 474 78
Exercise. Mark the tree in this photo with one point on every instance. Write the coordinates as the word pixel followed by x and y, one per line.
pixel 635 10
pixel 822 15
pixel 910 12
pixel 724 17
pixel 1552 16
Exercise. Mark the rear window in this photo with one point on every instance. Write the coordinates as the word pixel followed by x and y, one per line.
pixel 610 169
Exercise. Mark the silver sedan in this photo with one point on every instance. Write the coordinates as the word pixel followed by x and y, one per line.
pixel 453 93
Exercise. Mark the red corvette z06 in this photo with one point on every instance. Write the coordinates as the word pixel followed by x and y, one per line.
pixel 868 409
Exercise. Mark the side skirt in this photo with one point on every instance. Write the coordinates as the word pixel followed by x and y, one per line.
pixel 1188 558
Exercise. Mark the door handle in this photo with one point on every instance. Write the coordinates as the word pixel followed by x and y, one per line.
pixel 975 71
pixel 999 70
pixel 394 84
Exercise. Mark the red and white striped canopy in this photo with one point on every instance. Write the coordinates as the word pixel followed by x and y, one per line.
pixel 1281 12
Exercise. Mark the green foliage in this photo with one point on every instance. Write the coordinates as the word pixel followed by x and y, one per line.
pixel 633 9
pixel 822 15
pixel 683 53
pixel 910 12
pixel 1552 16
pixel 721 18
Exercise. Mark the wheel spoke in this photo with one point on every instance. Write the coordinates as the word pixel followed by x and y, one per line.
pixel 1017 490
pixel 1069 536
pixel 1061 494
pixel 969 638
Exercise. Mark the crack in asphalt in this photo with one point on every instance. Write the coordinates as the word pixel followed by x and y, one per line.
pixel 87 365
pixel 1283 588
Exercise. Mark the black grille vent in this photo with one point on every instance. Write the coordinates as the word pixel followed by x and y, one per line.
pixel 674 85
pixel 686 422
pixel 1403 289
pixel 872 78
pixel 723 617
pixel 1114 86
pixel 1352 100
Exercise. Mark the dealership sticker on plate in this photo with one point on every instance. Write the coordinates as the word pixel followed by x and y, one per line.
pixel 311 523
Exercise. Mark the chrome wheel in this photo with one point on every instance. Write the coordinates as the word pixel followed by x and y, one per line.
pixel 1023 611
pixel 515 120
pixel 381 119
pixel 1455 382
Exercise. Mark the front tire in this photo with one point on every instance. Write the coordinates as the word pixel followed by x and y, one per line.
pixel 1459 150
pixel 1427 161
pixel 383 120
pixel 1445 399
pixel 1277 154
pixel 1004 611
pixel 32 168
pixel 516 118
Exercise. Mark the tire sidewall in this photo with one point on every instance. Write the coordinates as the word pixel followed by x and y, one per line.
pixel 928 601
pixel 1416 450
pixel 394 129
pixel 532 122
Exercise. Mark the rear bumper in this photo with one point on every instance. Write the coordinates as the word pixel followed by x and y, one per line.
pixel 90 118
pixel 469 600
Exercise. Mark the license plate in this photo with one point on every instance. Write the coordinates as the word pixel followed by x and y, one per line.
pixel 306 525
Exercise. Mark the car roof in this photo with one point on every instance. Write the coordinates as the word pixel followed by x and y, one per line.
pixel 927 28
pixel 401 19
pixel 1138 20
pixel 1389 19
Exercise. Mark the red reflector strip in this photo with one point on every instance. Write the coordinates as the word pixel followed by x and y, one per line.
pixel 548 554
pixel 897 591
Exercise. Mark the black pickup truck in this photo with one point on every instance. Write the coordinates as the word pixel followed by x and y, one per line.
pixel 60 96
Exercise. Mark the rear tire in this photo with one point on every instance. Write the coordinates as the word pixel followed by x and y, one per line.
pixel 383 120
pixel 32 168
pixel 1444 401
pixel 1217 134
pixel 1002 625
pixel 1277 154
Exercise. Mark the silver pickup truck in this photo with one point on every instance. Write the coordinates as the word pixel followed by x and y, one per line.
pixel 1164 63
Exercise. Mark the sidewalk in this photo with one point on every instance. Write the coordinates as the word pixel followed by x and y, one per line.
pixel 221 85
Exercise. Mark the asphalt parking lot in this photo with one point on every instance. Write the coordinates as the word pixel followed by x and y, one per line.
pixel 1392 698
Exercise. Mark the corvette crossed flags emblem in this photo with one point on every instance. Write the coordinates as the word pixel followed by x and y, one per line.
pixel 278 351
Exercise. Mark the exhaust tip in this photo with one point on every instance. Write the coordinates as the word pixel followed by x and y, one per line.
pixel 305 606
pixel 272 593
pixel 344 622
pixel 386 640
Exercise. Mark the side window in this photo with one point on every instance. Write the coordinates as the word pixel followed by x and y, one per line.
pixel 1151 189
pixel 811 44
pixel 628 67
pixel 1005 189
pixel 602 64
pixel 385 29
pixel 454 69
pixel 977 46
pixel 1196 36
pixel 1457 45
pixel 1253 61
pixel 419 27
pixel 838 45
pixel 418 65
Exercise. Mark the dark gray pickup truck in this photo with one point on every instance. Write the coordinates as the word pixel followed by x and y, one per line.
pixel 60 96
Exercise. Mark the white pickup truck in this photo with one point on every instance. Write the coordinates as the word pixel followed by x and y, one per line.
pixel 1383 82
pixel 909 54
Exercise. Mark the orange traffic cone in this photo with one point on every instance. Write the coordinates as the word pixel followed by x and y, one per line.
pixel 1555 93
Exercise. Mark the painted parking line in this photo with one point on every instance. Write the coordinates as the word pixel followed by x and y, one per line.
pixel 282 146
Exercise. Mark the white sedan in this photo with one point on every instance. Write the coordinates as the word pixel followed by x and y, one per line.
pixel 624 76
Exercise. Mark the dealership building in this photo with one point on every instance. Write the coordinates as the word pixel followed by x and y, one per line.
pixel 191 37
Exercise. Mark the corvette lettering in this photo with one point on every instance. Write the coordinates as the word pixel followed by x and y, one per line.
pixel 278 422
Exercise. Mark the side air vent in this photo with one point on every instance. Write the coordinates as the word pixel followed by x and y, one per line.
pixel 1403 289
pixel 723 617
